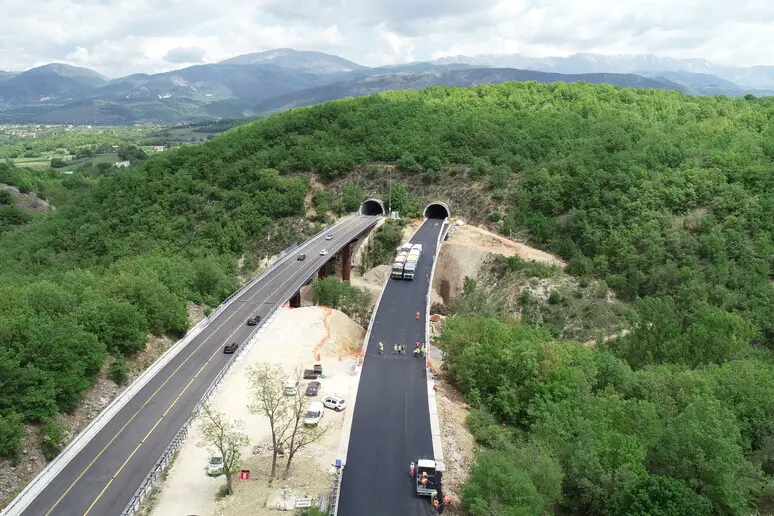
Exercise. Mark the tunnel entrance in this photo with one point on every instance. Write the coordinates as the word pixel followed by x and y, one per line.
pixel 372 207
pixel 437 210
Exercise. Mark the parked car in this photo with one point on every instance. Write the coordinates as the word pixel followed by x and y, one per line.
pixel 230 348
pixel 301 257
pixel 215 465
pixel 312 388
pixel 323 252
pixel 329 237
pixel 314 373
pixel 255 319
pixel 336 403
pixel 291 387
pixel 314 413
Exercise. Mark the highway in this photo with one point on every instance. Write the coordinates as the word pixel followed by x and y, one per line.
pixel 103 477
pixel 391 422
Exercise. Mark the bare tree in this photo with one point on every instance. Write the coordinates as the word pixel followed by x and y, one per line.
pixel 300 435
pixel 270 400
pixel 226 437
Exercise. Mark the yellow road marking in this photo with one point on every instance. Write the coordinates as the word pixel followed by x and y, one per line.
pixel 150 398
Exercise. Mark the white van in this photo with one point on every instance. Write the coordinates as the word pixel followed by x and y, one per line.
pixel 314 413
pixel 291 387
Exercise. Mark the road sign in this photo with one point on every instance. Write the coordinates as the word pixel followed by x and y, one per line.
pixel 303 502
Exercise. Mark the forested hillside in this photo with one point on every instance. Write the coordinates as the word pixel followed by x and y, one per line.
pixel 660 195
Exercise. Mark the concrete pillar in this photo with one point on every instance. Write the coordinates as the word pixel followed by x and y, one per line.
pixel 323 272
pixel 295 301
pixel 346 262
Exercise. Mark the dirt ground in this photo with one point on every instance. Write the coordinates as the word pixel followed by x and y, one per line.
pixel 94 401
pixel 28 201
pixel 465 252
pixel 458 444
pixel 294 338
pixel 474 237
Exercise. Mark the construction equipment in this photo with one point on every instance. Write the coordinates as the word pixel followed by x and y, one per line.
pixel 425 479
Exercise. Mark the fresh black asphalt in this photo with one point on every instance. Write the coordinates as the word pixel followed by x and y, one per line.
pixel 102 478
pixel 391 423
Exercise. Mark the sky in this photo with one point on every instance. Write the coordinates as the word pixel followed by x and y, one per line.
pixel 120 37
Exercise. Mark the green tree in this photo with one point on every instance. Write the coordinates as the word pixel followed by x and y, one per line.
pixel 523 480
pixel 654 495
pixel 352 197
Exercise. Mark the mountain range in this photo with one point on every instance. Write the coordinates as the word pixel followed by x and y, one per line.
pixel 271 81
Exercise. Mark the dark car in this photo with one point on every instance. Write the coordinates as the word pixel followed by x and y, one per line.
pixel 230 348
pixel 312 388
pixel 301 256
pixel 252 321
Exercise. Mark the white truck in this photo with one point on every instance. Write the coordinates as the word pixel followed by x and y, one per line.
pixel 412 260
pixel 397 265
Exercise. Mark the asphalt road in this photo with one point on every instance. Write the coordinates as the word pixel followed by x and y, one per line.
pixel 391 423
pixel 103 477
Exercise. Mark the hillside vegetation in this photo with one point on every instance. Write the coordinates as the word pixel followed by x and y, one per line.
pixel 657 195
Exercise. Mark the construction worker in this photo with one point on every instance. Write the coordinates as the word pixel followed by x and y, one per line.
pixel 395 349
pixel 416 352
pixel 381 348
pixel 411 469
pixel 417 315
pixel 435 504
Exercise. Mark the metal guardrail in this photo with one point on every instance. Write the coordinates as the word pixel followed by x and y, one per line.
pixel 433 410
pixel 152 478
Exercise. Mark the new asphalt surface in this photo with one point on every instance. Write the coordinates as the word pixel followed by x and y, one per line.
pixel 104 476
pixel 391 422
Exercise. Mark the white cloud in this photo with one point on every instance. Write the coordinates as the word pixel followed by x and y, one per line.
pixel 119 37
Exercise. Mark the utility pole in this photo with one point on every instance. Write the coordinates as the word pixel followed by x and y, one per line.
pixel 389 201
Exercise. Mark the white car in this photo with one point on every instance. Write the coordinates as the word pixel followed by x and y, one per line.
pixel 291 387
pixel 336 403
pixel 323 252
pixel 215 465
pixel 329 237
pixel 314 413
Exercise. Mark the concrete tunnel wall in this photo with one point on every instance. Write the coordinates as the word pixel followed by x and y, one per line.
pixel 437 210
pixel 373 206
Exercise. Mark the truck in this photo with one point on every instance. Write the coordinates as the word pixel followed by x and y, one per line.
pixel 412 260
pixel 426 468
pixel 397 265
pixel 312 374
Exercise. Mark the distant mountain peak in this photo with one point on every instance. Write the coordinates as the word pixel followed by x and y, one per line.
pixel 66 70
pixel 302 60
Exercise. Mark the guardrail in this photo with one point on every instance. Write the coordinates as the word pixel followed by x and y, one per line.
pixel 162 463
pixel 432 404
pixel 53 468
pixel 348 421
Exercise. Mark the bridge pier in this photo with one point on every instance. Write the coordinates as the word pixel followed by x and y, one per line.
pixel 295 301
pixel 346 262
pixel 323 272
